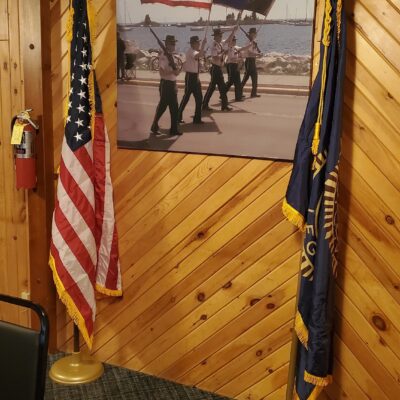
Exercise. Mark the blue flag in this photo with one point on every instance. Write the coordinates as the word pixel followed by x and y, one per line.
pixel 311 204
pixel 259 6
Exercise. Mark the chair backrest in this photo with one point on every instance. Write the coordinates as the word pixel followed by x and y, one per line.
pixel 23 355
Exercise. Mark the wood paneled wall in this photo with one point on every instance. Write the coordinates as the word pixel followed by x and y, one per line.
pixel 25 216
pixel 209 264
pixel 14 251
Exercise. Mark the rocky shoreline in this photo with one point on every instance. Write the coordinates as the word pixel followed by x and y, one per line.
pixel 284 64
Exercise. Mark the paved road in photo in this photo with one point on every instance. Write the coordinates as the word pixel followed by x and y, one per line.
pixel 267 126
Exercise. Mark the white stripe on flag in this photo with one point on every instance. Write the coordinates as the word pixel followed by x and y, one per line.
pixel 78 224
pixel 78 173
pixel 74 268
pixel 108 221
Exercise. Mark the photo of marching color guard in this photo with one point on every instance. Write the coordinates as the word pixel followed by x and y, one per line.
pixel 221 97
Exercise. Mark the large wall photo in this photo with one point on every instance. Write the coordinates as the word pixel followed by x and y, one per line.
pixel 236 83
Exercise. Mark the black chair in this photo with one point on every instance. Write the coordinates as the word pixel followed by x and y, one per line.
pixel 23 355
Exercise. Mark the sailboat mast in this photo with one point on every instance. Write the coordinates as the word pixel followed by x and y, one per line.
pixel 306 9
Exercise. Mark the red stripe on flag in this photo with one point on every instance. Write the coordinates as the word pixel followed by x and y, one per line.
pixel 73 241
pixel 78 197
pixel 84 158
pixel 99 161
pixel 73 290
pixel 112 274
pixel 176 3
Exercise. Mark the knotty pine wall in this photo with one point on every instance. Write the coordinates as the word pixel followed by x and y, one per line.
pixel 209 265
pixel 25 215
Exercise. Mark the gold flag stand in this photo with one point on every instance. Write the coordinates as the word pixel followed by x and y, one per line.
pixel 77 368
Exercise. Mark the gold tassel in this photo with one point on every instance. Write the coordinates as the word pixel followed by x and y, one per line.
pixel 70 22
pixel 317 380
pixel 315 142
pixel 293 215
pixel 92 100
pixel 71 307
pixel 326 42
pixel 92 23
pixel 339 19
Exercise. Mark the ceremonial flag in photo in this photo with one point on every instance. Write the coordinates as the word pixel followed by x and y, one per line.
pixel 311 204
pixel 183 3
pixel 84 244
pixel 258 6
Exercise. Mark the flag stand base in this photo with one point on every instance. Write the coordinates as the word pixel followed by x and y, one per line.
pixel 76 369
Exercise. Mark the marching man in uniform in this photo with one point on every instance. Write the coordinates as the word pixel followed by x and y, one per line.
pixel 250 63
pixel 192 81
pixel 232 67
pixel 218 50
pixel 168 89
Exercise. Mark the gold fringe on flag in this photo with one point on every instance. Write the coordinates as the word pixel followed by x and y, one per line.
pixel 108 292
pixel 293 215
pixel 92 30
pixel 301 329
pixel 72 309
pixel 317 380
pixel 68 34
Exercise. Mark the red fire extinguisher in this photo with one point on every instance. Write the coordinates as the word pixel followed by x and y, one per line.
pixel 24 132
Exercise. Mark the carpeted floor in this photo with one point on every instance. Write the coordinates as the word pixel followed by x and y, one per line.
pixel 123 384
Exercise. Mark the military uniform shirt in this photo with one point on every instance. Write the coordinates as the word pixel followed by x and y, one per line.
pixel 217 50
pixel 191 64
pixel 166 71
pixel 233 55
pixel 252 50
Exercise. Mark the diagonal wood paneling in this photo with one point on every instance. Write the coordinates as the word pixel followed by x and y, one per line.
pixel 209 264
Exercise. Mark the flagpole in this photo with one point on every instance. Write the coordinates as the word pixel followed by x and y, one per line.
pixel 208 20
pixel 295 344
pixel 261 25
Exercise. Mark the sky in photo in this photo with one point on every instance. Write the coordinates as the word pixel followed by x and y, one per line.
pixel 135 12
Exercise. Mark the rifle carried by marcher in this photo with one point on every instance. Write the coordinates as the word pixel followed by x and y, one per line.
pixel 248 37
pixel 170 57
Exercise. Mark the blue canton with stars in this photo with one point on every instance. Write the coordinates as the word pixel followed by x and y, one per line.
pixel 77 128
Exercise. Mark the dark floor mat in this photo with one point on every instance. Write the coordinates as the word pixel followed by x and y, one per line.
pixel 123 384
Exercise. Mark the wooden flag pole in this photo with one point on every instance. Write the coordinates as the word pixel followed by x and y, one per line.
pixel 76 339
pixel 294 346
pixel 261 25
pixel 208 20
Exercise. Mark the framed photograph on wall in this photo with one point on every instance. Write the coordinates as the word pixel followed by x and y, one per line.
pixel 213 80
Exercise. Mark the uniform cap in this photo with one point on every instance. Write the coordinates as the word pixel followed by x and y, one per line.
pixel 170 39
pixel 217 32
pixel 194 39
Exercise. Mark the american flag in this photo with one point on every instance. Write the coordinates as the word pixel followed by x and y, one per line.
pixel 184 3
pixel 84 245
